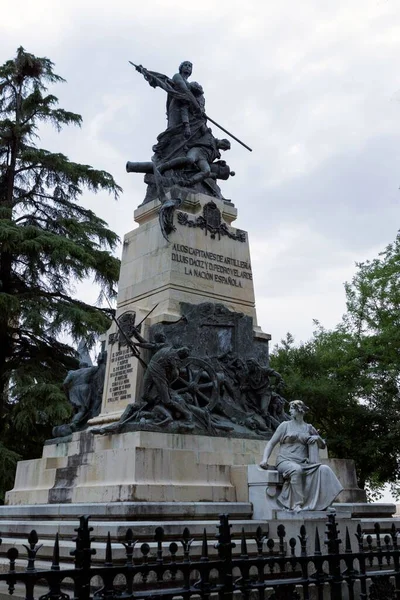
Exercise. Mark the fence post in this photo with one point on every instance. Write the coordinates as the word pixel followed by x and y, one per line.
pixel 32 550
pixel 333 542
pixel 224 547
pixel 83 559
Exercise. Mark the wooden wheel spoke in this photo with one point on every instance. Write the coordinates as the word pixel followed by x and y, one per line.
pixel 203 396
pixel 203 386
pixel 184 389
pixel 197 375
pixel 191 376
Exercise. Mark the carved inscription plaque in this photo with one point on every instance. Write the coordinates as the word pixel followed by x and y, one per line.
pixel 119 386
pixel 211 266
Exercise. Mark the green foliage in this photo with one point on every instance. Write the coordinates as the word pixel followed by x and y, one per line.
pixel 8 463
pixel 350 376
pixel 48 241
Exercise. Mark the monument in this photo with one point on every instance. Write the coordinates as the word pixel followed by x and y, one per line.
pixel 189 398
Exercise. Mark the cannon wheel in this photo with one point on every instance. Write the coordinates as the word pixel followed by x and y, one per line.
pixel 198 378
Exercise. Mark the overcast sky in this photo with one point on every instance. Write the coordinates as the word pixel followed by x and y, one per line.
pixel 313 87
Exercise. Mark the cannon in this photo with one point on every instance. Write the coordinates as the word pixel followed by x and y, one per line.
pixel 220 169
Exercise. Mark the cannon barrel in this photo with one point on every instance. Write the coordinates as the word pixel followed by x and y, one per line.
pixel 220 169
pixel 139 167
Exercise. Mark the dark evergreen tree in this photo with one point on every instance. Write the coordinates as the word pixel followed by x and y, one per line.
pixel 48 241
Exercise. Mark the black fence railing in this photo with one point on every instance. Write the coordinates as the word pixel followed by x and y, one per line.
pixel 259 567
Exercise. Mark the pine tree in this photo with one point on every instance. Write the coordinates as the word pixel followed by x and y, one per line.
pixel 48 241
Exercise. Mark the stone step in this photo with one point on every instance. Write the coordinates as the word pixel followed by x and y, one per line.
pixel 366 509
pixel 118 551
pixel 142 530
pixel 368 524
pixel 137 511
pixel 16 522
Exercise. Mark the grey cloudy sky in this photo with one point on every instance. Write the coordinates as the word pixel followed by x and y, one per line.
pixel 313 87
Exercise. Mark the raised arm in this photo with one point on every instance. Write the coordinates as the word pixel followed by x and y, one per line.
pixel 144 344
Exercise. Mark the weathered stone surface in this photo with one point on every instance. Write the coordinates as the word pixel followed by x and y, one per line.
pixel 365 510
pixel 138 511
pixel 135 466
pixel 194 266
pixel 348 478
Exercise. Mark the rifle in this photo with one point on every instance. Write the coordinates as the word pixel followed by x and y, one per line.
pixel 134 350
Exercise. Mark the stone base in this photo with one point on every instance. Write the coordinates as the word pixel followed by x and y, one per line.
pixel 265 487
pixel 137 466
pixel 143 517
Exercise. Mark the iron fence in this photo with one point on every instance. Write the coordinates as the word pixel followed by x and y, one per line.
pixel 258 568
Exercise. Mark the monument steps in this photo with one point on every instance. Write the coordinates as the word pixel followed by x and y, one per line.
pixel 16 522
pixel 127 511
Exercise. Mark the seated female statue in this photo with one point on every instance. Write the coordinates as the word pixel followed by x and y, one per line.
pixel 308 485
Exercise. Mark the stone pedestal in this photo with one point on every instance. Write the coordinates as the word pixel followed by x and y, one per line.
pixel 196 264
pixel 265 487
pixel 204 260
pixel 137 466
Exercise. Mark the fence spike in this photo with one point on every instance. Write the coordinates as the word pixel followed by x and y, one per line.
pixel 347 542
pixel 260 539
pixel 145 549
pixel 173 549
pixel 129 535
pixel 186 542
pixel 83 552
pixel 332 534
pixel 12 555
pixel 55 566
pixel 159 536
pixel 303 540
pixel 281 535
pixel 33 538
pixel 393 534
pixel 270 545
pixel 243 545
pixel 377 529
pixel 108 561
pixel 317 543
pixel 129 545
pixel 204 546
pixel 292 544
pixel 32 549
pixel 224 537
pixel 360 537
